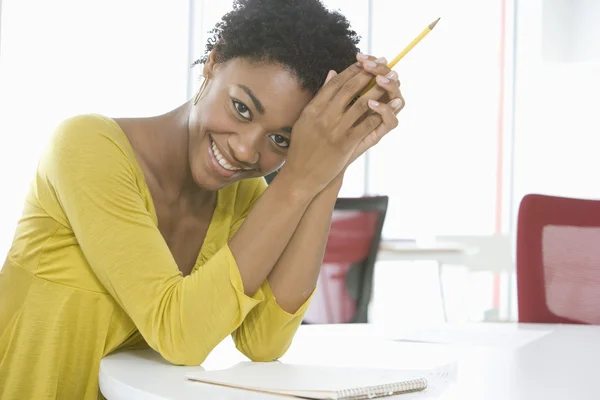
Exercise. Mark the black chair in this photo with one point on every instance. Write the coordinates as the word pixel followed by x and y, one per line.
pixel 346 279
pixel 269 178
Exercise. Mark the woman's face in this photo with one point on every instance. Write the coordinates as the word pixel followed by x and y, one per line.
pixel 241 126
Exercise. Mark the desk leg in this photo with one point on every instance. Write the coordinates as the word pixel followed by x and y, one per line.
pixel 509 308
pixel 442 296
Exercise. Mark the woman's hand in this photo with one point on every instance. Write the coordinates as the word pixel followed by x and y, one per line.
pixel 387 106
pixel 332 128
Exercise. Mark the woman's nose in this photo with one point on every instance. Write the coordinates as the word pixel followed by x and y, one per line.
pixel 245 148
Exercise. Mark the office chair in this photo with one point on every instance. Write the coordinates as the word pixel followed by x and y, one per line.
pixel 558 260
pixel 345 283
pixel 269 178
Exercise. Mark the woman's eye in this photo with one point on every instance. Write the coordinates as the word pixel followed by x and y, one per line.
pixel 242 109
pixel 280 140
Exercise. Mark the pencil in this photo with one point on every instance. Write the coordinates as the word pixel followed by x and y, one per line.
pixel 408 48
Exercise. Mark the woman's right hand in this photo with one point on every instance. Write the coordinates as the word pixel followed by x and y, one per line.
pixel 330 129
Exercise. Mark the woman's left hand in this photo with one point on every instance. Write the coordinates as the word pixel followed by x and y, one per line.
pixel 385 101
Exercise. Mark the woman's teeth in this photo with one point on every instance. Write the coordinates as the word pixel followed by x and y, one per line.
pixel 222 162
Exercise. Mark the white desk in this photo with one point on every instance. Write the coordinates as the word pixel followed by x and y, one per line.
pixel 563 364
pixel 406 250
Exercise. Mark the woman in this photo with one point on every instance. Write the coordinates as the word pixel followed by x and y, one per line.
pixel 161 231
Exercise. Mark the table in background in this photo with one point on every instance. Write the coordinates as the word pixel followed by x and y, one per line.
pixel 412 250
pixel 440 252
pixel 562 363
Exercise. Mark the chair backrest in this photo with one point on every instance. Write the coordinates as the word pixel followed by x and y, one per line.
pixel 269 178
pixel 345 282
pixel 558 260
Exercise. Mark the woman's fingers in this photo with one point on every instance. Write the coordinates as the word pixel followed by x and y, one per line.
pixel 330 75
pixel 379 123
pixel 388 112
pixel 337 102
pixel 376 66
pixel 385 77
pixel 333 86
pixel 387 87
pixel 390 84
pixel 349 91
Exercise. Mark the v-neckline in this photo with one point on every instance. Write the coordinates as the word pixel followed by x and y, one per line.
pixel 140 172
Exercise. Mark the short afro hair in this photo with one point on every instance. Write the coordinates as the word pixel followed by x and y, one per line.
pixel 302 35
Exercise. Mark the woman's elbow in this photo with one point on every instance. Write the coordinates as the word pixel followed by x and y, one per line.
pixel 184 356
pixel 261 352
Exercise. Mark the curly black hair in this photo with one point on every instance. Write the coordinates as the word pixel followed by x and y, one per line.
pixel 302 35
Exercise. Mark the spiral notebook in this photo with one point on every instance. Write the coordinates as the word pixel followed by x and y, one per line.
pixel 314 382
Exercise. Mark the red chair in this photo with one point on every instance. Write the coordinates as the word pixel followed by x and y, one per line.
pixel 345 283
pixel 558 260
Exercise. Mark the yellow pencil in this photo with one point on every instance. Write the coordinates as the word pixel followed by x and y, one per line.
pixel 405 51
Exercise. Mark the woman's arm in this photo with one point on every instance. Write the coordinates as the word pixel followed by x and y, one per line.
pixel 87 182
pixel 92 180
pixel 267 230
pixel 296 272
pixel 325 138
pixel 268 329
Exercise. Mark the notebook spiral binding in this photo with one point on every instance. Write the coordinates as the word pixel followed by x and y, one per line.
pixel 391 389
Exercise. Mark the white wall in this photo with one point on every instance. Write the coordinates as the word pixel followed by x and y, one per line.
pixel 65 57
pixel 0 25
pixel 557 124
pixel 570 30
pixel 439 165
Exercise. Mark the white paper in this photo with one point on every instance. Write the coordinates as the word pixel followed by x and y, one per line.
pixel 277 376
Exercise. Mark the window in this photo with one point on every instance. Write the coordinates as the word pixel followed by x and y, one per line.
pixel 556 105
pixel 61 58
pixel 439 165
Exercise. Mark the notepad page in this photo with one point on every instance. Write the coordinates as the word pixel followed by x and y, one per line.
pixel 317 381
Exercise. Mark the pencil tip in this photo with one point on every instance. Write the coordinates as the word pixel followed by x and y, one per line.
pixel 434 23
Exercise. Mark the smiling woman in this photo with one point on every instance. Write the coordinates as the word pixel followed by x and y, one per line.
pixel 242 119
pixel 161 231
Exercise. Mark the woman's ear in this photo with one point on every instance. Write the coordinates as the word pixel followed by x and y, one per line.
pixel 210 64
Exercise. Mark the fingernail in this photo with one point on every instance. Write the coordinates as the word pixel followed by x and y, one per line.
pixel 373 103
pixel 396 103
pixel 382 79
pixel 370 64
pixel 362 56
pixel 381 60
pixel 392 75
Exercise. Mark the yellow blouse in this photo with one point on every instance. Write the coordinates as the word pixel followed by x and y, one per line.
pixel 89 273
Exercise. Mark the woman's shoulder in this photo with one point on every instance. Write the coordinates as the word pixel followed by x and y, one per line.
pixel 89 129
pixel 88 144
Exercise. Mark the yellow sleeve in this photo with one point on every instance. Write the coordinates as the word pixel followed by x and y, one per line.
pixel 268 330
pixel 95 183
pixel 248 192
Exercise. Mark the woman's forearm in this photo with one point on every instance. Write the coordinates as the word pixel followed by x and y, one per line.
pixel 295 274
pixel 267 230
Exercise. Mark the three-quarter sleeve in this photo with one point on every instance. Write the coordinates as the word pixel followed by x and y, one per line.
pixel 97 188
pixel 267 331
